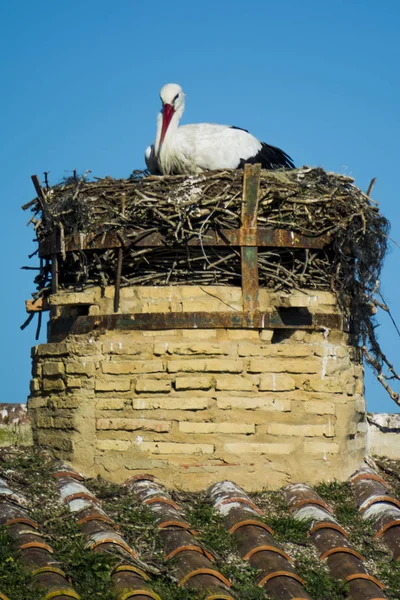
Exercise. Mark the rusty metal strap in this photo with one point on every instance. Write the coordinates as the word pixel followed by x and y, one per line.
pixel 277 319
pixel 128 237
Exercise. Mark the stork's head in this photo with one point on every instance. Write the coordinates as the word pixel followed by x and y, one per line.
pixel 173 102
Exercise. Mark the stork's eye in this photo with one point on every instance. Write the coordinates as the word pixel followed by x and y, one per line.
pixel 176 98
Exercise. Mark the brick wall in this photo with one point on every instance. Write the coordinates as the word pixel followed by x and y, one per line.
pixel 197 406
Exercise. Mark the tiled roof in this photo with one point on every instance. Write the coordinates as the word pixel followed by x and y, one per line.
pixel 88 539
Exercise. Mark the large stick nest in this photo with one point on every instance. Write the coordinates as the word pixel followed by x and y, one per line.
pixel 308 201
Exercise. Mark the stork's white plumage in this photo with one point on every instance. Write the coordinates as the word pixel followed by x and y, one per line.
pixel 203 147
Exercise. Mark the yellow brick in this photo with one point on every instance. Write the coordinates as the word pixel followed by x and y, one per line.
pixel 44 421
pixel 127 347
pixel 73 382
pixel 199 334
pixel 233 383
pixel 276 383
pixel 68 402
pixel 134 424
pixel 197 382
pixel 34 385
pixel 53 385
pixel 257 402
pixel 199 348
pixel 170 403
pixel 110 404
pixel 132 366
pixel 190 427
pixel 258 448
pixel 175 448
pixel 211 365
pixel 316 384
pixel 110 445
pixel 322 448
pixel 242 334
pixel 62 298
pixel 53 368
pixel 80 368
pixel 282 365
pixel 153 385
pixel 39 402
pixel 306 430
pixel 266 335
pixel 51 349
pixel 276 350
pixel 319 408
pixel 111 384
pixel 63 423
pixel 359 404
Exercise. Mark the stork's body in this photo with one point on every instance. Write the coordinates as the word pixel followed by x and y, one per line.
pixel 196 148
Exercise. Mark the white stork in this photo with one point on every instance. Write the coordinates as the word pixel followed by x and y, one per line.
pixel 196 148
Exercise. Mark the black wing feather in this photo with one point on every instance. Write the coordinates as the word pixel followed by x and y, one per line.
pixel 270 157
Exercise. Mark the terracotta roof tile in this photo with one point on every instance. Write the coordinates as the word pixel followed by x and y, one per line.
pixel 222 544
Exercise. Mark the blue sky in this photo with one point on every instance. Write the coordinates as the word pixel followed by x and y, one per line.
pixel 80 87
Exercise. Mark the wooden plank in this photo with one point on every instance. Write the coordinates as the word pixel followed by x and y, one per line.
pixel 248 236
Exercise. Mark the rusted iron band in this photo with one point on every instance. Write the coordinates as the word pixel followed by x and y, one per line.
pixel 132 593
pixel 328 525
pixel 377 499
pixel 111 540
pixel 97 517
pixel 23 520
pixel 389 525
pixel 40 545
pixel 343 549
pixel 81 495
pixel 267 578
pixel 241 501
pixel 269 238
pixel 369 476
pixel 191 547
pixel 266 548
pixel 212 572
pixel 57 593
pixel 367 577
pixel 161 500
pixel 131 569
pixel 291 318
pixel 49 569
pixel 250 522
pixel 180 524
pixel 311 501
pixel 72 474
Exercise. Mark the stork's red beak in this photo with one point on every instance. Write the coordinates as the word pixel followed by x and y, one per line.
pixel 168 112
